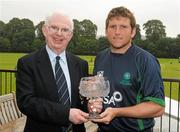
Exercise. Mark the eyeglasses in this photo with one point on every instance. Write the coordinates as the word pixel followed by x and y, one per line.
pixel 55 29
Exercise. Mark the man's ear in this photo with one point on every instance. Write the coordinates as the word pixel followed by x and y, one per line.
pixel 70 36
pixel 44 30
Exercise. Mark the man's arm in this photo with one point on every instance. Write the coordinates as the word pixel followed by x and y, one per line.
pixel 142 110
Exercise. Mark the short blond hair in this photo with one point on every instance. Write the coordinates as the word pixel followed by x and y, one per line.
pixel 121 12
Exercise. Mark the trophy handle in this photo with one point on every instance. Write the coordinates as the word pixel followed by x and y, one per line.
pixel 100 73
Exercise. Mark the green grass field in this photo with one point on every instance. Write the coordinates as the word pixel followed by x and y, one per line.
pixel 170 68
pixel 9 60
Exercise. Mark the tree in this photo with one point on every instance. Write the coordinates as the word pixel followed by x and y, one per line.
pixel 178 36
pixel 22 41
pixel 12 27
pixel 84 34
pixel 75 38
pixel 38 30
pixel 88 29
pixel 84 29
pixel 102 43
pixel 18 32
pixel 154 30
pixel 4 44
pixel 27 24
pixel 137 37
pixel 165 47
pixel 37 44
pixel 177 46
pixel 2 29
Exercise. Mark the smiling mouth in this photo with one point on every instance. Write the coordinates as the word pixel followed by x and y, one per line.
pixel 58 40
pixel 117 38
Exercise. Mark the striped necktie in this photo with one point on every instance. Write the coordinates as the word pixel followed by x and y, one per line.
pixel 61 83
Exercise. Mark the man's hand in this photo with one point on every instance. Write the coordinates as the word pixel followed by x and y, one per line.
pixel 77 116
pixel 107 116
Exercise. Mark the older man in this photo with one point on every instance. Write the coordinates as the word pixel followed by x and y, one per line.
pixel 48 80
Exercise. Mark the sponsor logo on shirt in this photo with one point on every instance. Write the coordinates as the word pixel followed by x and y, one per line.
pixel 115 98
pixel 126 80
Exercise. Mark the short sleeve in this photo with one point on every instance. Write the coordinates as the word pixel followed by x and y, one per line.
pixel 151 85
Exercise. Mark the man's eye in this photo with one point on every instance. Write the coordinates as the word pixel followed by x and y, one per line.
pixel 123 26
pixel 65 30
pixel 54 28
pixel 113 27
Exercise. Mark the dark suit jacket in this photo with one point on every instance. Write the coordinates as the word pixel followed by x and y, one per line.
pixel 37 93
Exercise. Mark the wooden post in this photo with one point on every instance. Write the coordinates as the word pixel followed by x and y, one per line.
pixel 1 83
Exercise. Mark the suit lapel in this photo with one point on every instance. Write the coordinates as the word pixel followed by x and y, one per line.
pixel 46 72
pixel 74 77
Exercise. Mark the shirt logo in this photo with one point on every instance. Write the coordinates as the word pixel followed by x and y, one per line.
pixel 126 80
pixel 115 98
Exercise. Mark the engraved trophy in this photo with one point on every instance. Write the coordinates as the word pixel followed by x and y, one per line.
pixel 94 87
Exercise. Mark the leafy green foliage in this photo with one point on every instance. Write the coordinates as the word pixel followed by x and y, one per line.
pixel 155 30
pixel 20 35
pixel 38 30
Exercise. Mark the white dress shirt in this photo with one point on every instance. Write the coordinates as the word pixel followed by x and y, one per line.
pixel 63 63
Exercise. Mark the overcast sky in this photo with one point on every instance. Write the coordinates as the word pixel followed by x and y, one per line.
pixel 168 11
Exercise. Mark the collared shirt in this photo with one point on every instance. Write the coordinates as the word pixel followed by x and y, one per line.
pixel 63 63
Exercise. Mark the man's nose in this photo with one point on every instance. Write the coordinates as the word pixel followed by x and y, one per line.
pixel 59 32
pixel 117 31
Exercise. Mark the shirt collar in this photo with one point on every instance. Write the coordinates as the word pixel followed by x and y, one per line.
pixel 52 55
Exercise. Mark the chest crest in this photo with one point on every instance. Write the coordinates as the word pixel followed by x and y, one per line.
pixel 126 79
